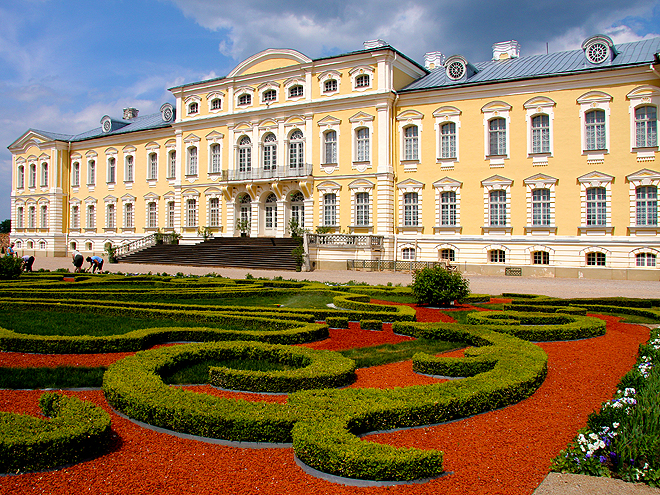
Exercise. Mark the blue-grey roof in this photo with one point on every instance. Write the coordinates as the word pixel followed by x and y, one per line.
pixel 553 64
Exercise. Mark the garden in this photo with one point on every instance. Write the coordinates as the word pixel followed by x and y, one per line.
pixel 169 383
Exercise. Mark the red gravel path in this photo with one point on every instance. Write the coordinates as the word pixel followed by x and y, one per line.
pixel 502 452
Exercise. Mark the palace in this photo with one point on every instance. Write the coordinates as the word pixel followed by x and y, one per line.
pixel 543 163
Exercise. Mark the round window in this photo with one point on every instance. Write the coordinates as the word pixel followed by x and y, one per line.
pixel 456 70
pixel 597 53
pixel 107 125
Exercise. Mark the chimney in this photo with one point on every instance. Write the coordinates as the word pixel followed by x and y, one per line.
pixel 130 113
pixel 506 49
pixel 433 60
pixel 368 45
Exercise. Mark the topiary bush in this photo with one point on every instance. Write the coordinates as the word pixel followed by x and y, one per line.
pixel 439 287
pixel 10 267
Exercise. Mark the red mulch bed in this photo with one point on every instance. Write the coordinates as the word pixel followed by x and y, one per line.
pixel 507 451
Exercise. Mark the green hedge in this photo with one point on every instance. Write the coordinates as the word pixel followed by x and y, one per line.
pixel 76 431
pixel 476 298
pixel 336 322
pixel 371 324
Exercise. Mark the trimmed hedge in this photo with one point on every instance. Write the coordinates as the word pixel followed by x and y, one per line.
pixel 336 322
pixel 569 310
pixel 76 431
pixel 371 324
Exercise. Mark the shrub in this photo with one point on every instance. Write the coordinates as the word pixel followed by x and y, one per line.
pixel 10 267
pixel 336 322
pixel 371 324
pixel 439 287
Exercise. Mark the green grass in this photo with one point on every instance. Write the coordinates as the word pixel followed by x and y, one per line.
pixel 295 300
pixel 397 298
pixel 199 372
pixel 366 357
pixel 459 316
pixel 71 323
pixel 60 377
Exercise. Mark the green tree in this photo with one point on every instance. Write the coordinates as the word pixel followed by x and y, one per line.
pixel 5 226
pixel 10 267
pixel 439 287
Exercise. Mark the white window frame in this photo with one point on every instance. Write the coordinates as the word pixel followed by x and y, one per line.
pixel 152 163
pixel 150 222
pixel 171 163
pixel 247 150
pixel 494 110
pixel 74 215
pixel 444 185
pixel 640 97
pixel 446 115
pixel 596 250
pixel 192 214
pixel 90 214
pixel 644 177
pixel 361 70
pixel 170 220
pixel 128 213
pixel 20 216
pixel 31 216
pixel 245 90
pixel 298 142
pixel 43 173
pixel 645 251
pixel 110 202
pixel 324 188
pixel 111 169
pixel 210 211
pixel 32 177
pixel 215 138
pixel 43 214
pixel 20 175
pixel 407 119
pixel 495 183
pixel 327 76
pixel 290 83
pixel 497 247
pixel 405 187
pixel 594 100
pixel 190 102
pixel 273 151
pixel 91 172
pixel 268 86
pixel 215 95
pixel 356 187
pixel 360 121
pixel 539 105
pixel 330 144
pixel 589 181
pixel 129 156
pixel 540 181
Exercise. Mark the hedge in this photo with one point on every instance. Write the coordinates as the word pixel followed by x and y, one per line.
pixel 371 324
pixel 76 431
pixel 336 322
pixel 530 308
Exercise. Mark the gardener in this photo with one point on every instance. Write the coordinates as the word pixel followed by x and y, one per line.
pixel 95 263
pixel 28 261
pixel 11 251
pixel 77 260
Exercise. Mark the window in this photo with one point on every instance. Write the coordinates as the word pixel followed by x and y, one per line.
pixel 448 208
pixel 44 216
pixel 330 209
pixel 75 217
pixel 362 137
pixel 647 206
pixel 214 212
pixel 645 259
pixel 128 215
pixel 410 143
pixel 408 254
pixel 330 144
pixel 330 86
pixel 42 244
pixel 362 209
pixel 91 173
pixel 129 169
pixel 171 170
pixel 447 255
pixel 596 206
pixel 111 171
pixel 410 209
pixel 295 91
pixel 192 160
pixel 215 158
pixel 362 81
pixel 646 127
pixel 152 217
pixel 32 217
pixel 497 207
pixel 448 140
pixel 20 177
pixel 541 134
pixel 595 130
pixel 497 256
pixel 245 99
pixel 541 258
pixel 91 217
pixel 216 104
pixel 497 137
pixel 541 207
pixel 245 212
pixel 170 214
pixel 298 208
pixel 595 259
pixel 19 217
pixel 191 213
pixel 153 166
pixel 110 216
pixel 33 175
pixel 75 174
pixel 269 95
pixel 270 152
pixel 244 154
pixel 271 211
pixel 44 175
pixel 193 108
pixel 296 149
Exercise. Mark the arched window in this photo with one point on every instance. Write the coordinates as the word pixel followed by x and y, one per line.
pixel 269 95
pixel 596 259
pixel 497 256
pixel 75 174
pixel 245 212
pixel 645 259
pixel 216 104
pixel 153 166
pixel 296 149
pixel 91 172
pixel 192 160
pixel 541 207
pixel 647 205
pixel 595 130
pixel 33 175
pixel 298 209
pixel 245 99
pixel 44 175
pixel 646 127
pixel 540 258
pixel 448 208
pixel 91 217
pixel 244 154
pixel 330 143
pixel 129 169
pixel 408 254
pixel 110 216
pixel 193 108
pixel 362 81
pixel 171 170
pixel 497 137
pixel 214 212
pixel 447 255
pixel 330 209
pixel 541 134
pixel 362 138
pixel 410 143
pixel 362 209
pixel 20 177
pixel 410 209
pixel 448 140
pixel 44 217
pixel 191 212
pixel 330 86
pixel 215 158
pixel 111 170
pixel 270 151
pixel 295 91
pixel 271 211
pixel 32 217
pixel 152 216
pixel 596 206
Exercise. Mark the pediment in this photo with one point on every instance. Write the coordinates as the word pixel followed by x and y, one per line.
pixel 496 106
pixel 594 97
pixel 538 101
pixel 410 115
pixel 128 198
pixel 110 199
pixel 151 195
pixel 361 117
pixel 191 138
pixel 295 120
pixel 214 135
pixel 29 138
pixel 329 120
pixel 243 126
pixel 496 180
pixel 446 111
pixel 647 91
pixel 447 182
pixel 596 176
pixel 111 151
pixel 91 154
pixel 269 60
pixel 212 190
pixel 328 185
pixel 268 124
pixel 540 179
pixel 129 149
pixel 169 194
pixel 644 174
pixel 410 184
pixel 363 183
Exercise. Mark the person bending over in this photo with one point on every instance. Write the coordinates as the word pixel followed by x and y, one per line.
pixel 95 263
pixel 28 261
pixel 77 258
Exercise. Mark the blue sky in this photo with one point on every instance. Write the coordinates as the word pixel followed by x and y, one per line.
pixel 65 64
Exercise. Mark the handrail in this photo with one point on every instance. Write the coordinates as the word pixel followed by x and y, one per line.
pixel 145 242
pixel 273 173
pixel 365 240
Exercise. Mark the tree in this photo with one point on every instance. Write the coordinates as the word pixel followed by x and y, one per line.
pixel 439 286
pixel 5 226
pixel 10 267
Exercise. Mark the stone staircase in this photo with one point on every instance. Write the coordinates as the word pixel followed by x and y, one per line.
pixel 266 253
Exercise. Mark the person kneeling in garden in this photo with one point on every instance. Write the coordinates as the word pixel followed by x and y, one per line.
pixel 28 261
pixel 95 263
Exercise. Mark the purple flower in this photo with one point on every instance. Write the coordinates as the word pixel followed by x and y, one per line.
pixel 602 459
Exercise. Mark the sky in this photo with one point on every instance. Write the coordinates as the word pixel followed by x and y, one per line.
pixel 64 64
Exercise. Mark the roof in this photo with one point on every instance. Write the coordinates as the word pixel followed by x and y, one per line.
pixel 553 64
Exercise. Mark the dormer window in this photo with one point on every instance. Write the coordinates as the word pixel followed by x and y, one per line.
pixel 269 96
pixel 216 104
pixel 295 91
pixel 245 99
pixel 193 108
pixel 455 70
pixel 598 49
pixel 330 86
pixel 362 81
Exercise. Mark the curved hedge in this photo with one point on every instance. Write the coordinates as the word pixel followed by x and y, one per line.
pixel 76 431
